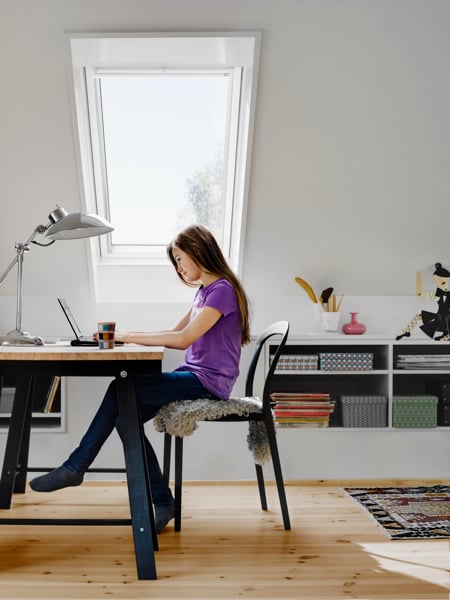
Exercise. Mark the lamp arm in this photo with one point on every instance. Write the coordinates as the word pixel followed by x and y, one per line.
pixel 20 248
pixel 38 229
pixel 13 262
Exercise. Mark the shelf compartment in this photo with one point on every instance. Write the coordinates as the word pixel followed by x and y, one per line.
pixel 416 383
pixel 46 401
pixel 419 357
pixel 293 353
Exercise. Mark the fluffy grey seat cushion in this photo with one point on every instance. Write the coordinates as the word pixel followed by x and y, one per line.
pixel 180 419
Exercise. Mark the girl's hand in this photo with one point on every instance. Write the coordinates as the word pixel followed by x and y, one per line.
pixel 119 336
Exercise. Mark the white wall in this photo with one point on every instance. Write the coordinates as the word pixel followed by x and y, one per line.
pixel 349 187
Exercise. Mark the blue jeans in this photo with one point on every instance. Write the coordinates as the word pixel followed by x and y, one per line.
pixel 152 392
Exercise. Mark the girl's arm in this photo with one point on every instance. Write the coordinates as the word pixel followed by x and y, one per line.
pixel 184 334
pixel 184 321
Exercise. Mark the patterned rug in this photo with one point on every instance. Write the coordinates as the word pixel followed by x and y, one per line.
pixel 407 512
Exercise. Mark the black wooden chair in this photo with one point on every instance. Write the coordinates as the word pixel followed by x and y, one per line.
pixel 264 415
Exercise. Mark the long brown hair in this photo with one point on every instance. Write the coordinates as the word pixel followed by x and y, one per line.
pixel 201 246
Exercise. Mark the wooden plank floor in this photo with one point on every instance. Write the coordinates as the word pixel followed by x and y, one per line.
pixel 228 548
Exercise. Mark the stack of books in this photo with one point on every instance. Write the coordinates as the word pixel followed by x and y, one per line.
pixel 302 409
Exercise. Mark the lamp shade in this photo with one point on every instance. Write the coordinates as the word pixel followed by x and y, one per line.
pixel 70 226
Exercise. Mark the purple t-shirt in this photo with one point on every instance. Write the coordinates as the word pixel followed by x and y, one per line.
pixel 214 357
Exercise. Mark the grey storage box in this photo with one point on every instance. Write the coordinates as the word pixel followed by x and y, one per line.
pixel 363 411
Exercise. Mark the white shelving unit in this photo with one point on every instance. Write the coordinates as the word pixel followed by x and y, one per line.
pixel 41 421
pixel 383 379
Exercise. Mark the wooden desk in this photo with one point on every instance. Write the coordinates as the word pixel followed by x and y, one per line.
pixel 123 363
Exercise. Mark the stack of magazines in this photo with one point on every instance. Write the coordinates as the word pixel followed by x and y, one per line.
pixel 422 361
pixel 302 409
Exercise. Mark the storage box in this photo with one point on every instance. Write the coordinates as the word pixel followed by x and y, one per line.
pixel 298 362
pixel 414 411
pixel 346 361
pixel 441 389
pixel 6 400
pixel 363 411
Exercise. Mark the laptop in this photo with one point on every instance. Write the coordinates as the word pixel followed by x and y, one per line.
pixel 80 339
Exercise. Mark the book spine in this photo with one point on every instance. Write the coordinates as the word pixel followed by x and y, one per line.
pixel 51 394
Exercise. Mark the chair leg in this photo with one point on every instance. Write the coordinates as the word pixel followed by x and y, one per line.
pixel 278 473
pixel 178 480
pixel 166 458
pixel 261 486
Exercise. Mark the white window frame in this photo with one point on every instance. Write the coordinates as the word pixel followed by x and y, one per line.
pixel 90 54
pixel 130 254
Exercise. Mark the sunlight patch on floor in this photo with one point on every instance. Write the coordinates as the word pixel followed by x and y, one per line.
pixel 389 557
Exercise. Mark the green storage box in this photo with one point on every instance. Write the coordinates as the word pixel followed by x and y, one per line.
pixel 414 411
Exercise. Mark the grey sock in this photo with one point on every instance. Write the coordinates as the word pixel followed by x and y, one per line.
pixel 56 480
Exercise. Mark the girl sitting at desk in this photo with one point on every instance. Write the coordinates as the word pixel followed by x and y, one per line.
pixel 212 332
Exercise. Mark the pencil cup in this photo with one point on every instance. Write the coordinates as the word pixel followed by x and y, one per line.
pixel 106 332
pixel 330 321
pixel 317 311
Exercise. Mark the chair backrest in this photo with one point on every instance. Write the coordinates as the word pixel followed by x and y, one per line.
pixel 281 330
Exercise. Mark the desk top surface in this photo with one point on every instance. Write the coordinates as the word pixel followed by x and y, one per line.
pixel 64 351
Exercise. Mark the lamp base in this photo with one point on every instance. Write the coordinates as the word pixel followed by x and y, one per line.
pixel 20 338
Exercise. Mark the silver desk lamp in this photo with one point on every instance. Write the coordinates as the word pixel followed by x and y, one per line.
pixel 62 226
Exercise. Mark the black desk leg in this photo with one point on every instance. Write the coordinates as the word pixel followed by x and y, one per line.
pixel 141 507
pixel 16 444
pixel 21 477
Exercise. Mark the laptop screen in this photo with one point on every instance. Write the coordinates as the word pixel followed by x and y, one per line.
pixel 69 316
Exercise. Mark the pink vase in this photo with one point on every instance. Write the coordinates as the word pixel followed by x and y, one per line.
pixel 354 327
